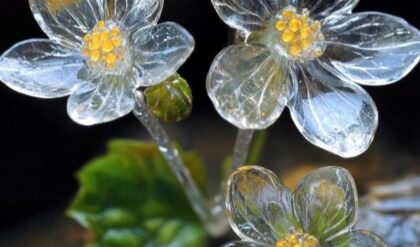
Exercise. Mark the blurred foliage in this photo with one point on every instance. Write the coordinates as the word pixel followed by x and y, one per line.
pixel 129 198
pixel 171 100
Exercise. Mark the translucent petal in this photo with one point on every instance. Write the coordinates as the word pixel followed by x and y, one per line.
pixel 106 99
pixel 258 205
pixel 242 244
pixel 337 116
pixel 325 202
pixel 67 21
pixel 134 14
pixel 372 48
pixel 41 68
pixel 321 9
pixel 248 15
pixel 160 51
pixel 357 239
pixel 248 86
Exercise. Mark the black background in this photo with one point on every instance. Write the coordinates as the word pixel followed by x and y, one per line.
pixel 41 148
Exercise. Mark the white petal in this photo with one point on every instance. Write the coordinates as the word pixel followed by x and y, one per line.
pixel 325 202
pixel 242 244
pixel 67 21
pixel 248 86
pixel 41 68
pixel 321 9
pixel 106 99
pixel 337 116
pixel 134 14
pixel 258 205
pixel 357 239
pixel 372 49
pixel 248 15
pixel 160 51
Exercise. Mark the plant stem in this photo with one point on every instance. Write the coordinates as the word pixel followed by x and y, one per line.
pixel 215 223
pixel 239 158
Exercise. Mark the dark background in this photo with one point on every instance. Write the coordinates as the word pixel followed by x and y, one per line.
pixel 41 148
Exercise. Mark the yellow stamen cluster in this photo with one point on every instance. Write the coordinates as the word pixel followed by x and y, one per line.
pixel 102 46
pixel 299 34
pixel 298 239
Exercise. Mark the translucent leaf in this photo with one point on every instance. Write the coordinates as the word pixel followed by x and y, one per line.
pixel 248 86
pixel 325 202
pixel 357 239
pixel 160 51
pixel 108 98
pixel 67 21
pixel 171 100
pixel 130 198
pixel 134 14
pixel 337 116
pixel 41 68
pixel 248 15
pixel 258 205
pixel 242 244
pixel 371 48
pixel 321 9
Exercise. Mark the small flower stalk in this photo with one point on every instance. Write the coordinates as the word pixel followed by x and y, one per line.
pixel 321 211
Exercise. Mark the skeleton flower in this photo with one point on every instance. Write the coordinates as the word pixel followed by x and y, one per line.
pixel 98 52
pixel 320 213
pixel 310 55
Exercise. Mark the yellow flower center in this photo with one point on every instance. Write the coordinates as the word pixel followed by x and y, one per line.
pixel 300 35
pixel 298 239
pixel 104 46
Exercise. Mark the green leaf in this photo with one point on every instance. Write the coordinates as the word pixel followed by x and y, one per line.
pixel 130 198
pixel 171 100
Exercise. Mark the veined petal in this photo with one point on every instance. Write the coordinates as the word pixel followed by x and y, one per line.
pixel 321 9
pixel 248 86
pixel 67 21
pixel 246 15
pixel 371 48
pixel 134 14
pixel 105 99
pixel 258 205
pixel 325 202
pixel 337 116
pixel 41 68
pixel 160 51
pixel 242 244
pixel 357 239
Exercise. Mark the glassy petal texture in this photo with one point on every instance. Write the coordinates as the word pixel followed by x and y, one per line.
pixel 321 9
pixel 160 51
pixel 134 14
pixel 248 15
pixel 258 205
pixel 371 48
pixel 242 244
pixel 106 99
pixel 67 21
pixel 248 86
pixel 357 239
pixel 337 116
pixel 41 68
pixel 325 202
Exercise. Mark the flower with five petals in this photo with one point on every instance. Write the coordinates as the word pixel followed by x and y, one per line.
pixel 320 213
pixel 98 52
pixel 310 56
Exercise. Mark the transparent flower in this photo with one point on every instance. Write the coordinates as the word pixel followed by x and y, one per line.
pixel 320 213
pixel 310 55
pixel 98 52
